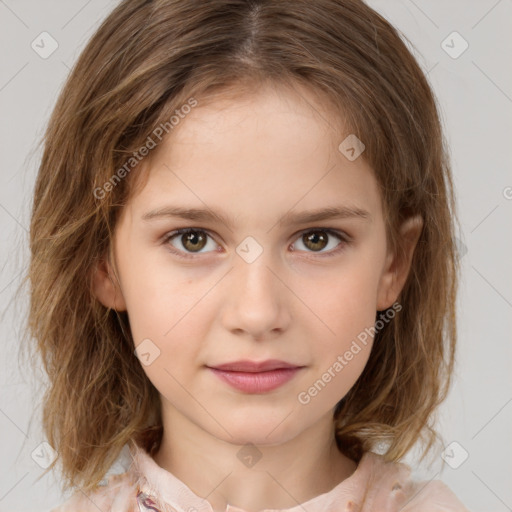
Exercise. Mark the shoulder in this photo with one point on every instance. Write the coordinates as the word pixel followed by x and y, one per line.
pixel 389 487
pixel 118 494
pixel 433 496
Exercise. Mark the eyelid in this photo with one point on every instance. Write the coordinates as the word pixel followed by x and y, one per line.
pixel 341 235
pixel 186 255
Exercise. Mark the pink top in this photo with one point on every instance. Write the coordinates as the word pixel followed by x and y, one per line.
pixel 375 485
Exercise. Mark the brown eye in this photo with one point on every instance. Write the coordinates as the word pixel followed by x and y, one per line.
pixel 189 241
pixel 193 241
pixel 315 240
pixel 321 241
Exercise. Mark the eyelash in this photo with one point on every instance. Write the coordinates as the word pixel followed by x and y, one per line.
pixel 343 237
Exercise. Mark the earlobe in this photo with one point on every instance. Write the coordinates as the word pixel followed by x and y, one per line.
pixel 398 265
pixel 105 286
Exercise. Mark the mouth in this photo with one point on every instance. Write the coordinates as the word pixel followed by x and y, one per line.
pixel 254 366
pixel 256 377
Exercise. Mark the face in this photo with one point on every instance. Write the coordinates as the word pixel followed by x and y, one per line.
pixel 261 282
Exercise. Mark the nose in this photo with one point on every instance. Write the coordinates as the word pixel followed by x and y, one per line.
pixel 256 305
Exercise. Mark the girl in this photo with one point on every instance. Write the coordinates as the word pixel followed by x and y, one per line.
pixel 243 273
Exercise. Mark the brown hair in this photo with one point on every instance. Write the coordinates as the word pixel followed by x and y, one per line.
pixel 147 60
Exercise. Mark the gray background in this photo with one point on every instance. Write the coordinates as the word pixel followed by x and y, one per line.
pixel 475 94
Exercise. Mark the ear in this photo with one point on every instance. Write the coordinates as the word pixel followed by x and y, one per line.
pixel 398 265
pixel 106 287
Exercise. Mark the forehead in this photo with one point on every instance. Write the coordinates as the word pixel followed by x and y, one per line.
pixel 260 152
pixel 253 109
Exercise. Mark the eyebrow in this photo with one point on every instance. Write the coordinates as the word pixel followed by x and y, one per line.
pixel 289 218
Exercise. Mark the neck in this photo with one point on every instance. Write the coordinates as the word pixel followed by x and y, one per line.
pixel 252 477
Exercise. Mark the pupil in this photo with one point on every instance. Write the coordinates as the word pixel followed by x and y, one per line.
pixel 318 241
pixel 193 238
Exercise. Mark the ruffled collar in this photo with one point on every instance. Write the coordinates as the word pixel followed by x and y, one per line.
pixel 375 483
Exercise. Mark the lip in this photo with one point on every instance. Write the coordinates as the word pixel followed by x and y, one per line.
pixel 256 377
pixel 256 382
pixel 254 366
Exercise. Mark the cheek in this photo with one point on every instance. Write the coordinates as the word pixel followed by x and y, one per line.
pixel 346 305
pixel 345 301
pixel 340 355
pixel 168 312
pixel 158 295
pixel 172 330
pixel 169 317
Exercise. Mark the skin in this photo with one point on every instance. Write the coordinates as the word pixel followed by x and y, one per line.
pixel 255 158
